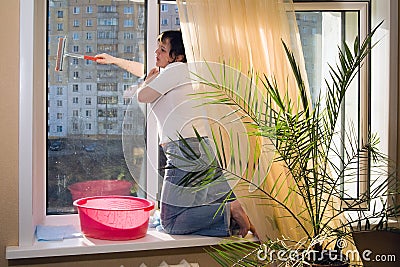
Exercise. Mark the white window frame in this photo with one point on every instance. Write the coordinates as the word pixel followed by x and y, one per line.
pixel 32 179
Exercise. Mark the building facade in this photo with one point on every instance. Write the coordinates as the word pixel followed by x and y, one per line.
pixel 85 98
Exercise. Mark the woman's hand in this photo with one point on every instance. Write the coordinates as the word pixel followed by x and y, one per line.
pixel 239 215
pixel 152 74
pixel 106 59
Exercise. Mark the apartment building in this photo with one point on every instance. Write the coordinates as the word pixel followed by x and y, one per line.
pixel 85 98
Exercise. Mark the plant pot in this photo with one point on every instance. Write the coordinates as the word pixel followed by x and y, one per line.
pixel 377 245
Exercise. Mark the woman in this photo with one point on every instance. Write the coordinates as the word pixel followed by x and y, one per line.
pixel 183 210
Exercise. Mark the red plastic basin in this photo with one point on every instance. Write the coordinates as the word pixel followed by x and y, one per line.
pixel 100 188
pixel 114 217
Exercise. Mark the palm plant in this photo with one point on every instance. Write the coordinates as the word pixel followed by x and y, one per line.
pixel 306 144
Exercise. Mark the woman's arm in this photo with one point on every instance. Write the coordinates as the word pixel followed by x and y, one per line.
pixel 146 94
pixel 136 68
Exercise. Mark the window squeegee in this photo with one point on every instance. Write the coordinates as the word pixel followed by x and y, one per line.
pixel 61 54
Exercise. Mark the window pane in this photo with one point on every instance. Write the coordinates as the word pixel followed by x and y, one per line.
pixel 87 112
pixel 321 34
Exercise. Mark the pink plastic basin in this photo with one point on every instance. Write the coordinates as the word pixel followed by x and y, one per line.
pixel 114 217
pixel 100 188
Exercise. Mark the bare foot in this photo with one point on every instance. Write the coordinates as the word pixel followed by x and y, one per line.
pixel 241 219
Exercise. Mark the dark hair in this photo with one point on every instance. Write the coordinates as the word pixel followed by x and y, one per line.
pixel 176 42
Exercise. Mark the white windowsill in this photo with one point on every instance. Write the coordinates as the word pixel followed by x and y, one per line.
pixel 82 246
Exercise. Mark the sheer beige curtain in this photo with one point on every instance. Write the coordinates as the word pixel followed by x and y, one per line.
pixel 249 34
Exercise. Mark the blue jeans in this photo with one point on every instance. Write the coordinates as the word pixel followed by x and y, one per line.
pixel 188 209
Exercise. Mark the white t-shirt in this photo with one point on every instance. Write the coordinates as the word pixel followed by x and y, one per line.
pixel 176 110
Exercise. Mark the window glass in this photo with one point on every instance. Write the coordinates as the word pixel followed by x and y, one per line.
pixel 86 106
pixel 321 33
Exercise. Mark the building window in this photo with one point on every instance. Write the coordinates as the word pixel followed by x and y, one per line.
pixel 128 35
pixel 75 88
pixel 60 14
pixel 164 22
pixel 88 113
pixel 88 100
pixel 109 113
pixel 59 103
pixel 59 116
pixel 60 27
pixel 75 113
pixel 75 100
pixel 59 91
pixel 128 23
pixel 107 9
pixel 127 75
pixel 107 48
pixel 89 49
pixel 164 8
pixel 108 22
pixel 76 10
pixel 89 23
pixel 109 87
pixel 89 9
pixel 75 36
pixel 89 36
pixel 107 35
pixel 75 49
pixel 128 10
pixel 76 74
pixel 76 23
pixel 88 75
pixel 107 126
pixel 128 48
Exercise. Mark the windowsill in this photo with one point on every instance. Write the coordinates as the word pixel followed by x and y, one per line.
pixel 154 240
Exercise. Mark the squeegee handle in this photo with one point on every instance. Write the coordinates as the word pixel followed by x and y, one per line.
pixel 90 58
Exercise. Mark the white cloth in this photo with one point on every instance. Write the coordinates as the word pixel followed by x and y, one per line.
pixel 56 233
pixel 177 110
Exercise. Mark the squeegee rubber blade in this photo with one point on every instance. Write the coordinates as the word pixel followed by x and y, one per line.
pixel 60 54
